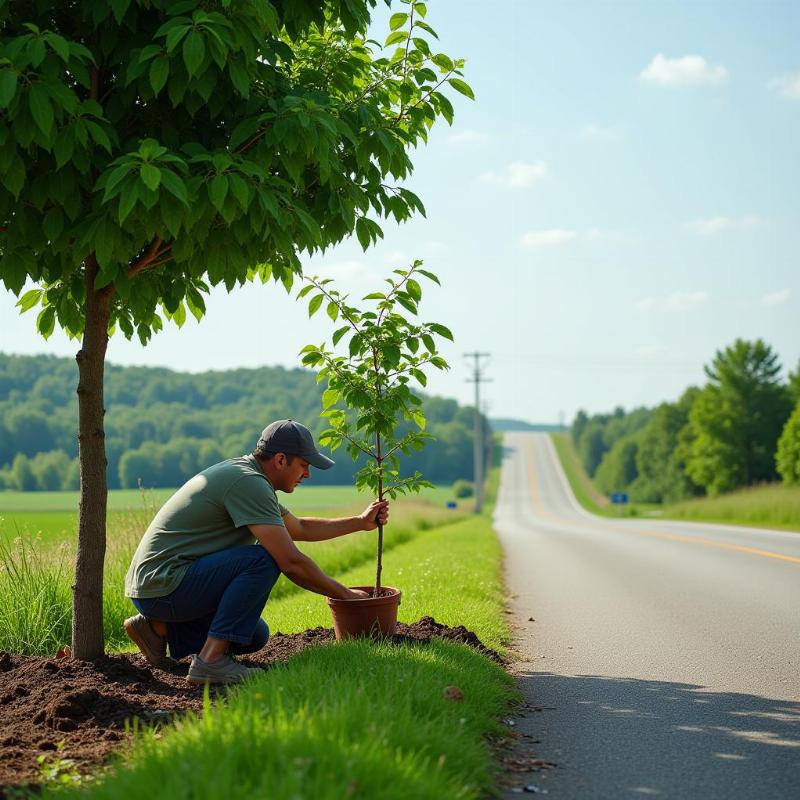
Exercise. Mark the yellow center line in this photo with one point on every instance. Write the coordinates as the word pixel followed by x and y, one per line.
pixel 538 506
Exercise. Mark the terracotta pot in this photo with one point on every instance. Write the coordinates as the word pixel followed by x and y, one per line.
pixel 366 616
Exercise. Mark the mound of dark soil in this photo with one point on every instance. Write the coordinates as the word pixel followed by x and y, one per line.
pixel 82 711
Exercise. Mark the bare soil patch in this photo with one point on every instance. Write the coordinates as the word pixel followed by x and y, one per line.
pixel 65 709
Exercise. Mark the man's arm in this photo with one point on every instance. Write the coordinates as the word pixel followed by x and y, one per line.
pixel 297 566
pixel 316 529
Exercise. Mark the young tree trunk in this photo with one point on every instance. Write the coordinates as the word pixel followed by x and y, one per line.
pixel 87 591
pixel 379 567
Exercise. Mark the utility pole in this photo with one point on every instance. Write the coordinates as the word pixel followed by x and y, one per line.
pixel 478 378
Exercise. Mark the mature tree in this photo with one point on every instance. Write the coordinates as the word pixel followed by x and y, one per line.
pixel 794 383
pixel 660 459
pixel 737 418
pixel 617 470
pixel 153 147
pixel 592 446
pixel 787 458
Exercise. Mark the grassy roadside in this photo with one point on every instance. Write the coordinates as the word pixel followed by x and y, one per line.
pixel 583 487
pixel 353 719
pixel 773 506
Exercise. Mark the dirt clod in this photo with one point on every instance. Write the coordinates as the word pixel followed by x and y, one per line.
pixel 452 693
pixel 89 706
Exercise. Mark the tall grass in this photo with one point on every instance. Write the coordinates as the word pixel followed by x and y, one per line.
pixel 36 575
pixel 770 506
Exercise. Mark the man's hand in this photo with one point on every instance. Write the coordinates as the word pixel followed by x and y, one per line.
pixel 357 594
pixel 376 513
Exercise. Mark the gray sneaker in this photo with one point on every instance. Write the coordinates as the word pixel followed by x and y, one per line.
pixel 153 646
pixel 224 670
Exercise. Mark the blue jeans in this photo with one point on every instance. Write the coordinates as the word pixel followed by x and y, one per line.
pixel 221 595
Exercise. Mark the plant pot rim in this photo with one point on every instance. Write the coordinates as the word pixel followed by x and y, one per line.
pixel 395 595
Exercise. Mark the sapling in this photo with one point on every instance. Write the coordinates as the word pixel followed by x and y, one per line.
pixel 368 400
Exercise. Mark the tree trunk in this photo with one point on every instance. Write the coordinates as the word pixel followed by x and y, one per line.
pixel 87 591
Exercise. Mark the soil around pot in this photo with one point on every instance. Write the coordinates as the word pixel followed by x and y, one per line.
pixel 87 705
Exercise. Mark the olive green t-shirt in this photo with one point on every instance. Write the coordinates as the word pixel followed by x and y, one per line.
pixel 209 513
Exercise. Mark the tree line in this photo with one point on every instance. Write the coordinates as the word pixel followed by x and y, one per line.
pixel 164 426
pixel 741 428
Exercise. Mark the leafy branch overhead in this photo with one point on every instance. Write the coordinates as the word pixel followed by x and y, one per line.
pixel 375 357
pixel 174 146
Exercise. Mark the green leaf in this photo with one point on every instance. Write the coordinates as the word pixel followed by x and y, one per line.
pixel 397 21
pixel 151 176
pixel 126 203
pixel 8 87
pixel 441 330
pixel 337 335
pixel 29 300
pixel 314 304
pixel 395 38
pixel 429 343
pixel 333 311
pixel 239 188
pixel 119 7
pixel 419 418
pixel 41 109
pixel 362 232
pixel 217 191
pixel 414 289
pixel 46 321
pixel 174 185
pixel 462 87
pixel 59 45
pixel 159 71
pixel 194 51
pixel 444 62
pixel 329 398
pixel 429 275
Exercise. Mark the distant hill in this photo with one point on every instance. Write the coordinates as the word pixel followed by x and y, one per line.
pixel 502 424
pixel 164 426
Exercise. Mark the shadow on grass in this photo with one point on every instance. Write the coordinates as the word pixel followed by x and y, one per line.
pixel 628 737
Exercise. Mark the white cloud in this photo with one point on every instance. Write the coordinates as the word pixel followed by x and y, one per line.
pixel 396 258
pixel 601 133
pixel 547 238
pixel 467 136
pixel 602 236
pixel 674 303
pixel 685 71
pixel 786 85
pixel 779 298
pixel 518 175
pixel 712 225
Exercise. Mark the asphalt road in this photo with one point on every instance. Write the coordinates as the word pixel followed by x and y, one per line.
pixel 665 656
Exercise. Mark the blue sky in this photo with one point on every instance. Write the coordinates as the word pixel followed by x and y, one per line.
pixel 620 202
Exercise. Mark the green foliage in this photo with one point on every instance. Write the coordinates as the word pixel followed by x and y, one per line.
pixel 660 457
pixel 171 145
pixel 617 471
pixel 737 418
pixel 787 457
pixel 163 427
pixel 462 488
pixel 794 383
pixel 386 351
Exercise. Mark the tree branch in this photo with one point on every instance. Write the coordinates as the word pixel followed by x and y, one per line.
pixel 147 259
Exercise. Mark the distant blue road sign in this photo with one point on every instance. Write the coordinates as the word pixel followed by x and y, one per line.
pixel 619 498
pixel 452 504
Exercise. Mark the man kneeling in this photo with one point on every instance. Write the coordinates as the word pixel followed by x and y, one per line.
pixel 197 578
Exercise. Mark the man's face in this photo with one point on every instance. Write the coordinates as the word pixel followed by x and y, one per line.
pixel 294 473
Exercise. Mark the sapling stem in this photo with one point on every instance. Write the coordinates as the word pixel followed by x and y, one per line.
pixel 379 459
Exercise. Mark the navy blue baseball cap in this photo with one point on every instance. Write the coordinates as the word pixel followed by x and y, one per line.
pixel 292 438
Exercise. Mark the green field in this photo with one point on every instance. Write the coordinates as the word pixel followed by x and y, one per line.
pixel 770 506
pixel 53 516
pixel 349 719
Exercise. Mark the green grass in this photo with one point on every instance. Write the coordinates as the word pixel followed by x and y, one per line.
pixel 770 506
pixel 53 516
pixel 354 719
pixel 349 720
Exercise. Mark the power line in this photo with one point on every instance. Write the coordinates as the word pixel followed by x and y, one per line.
pixel 478 378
